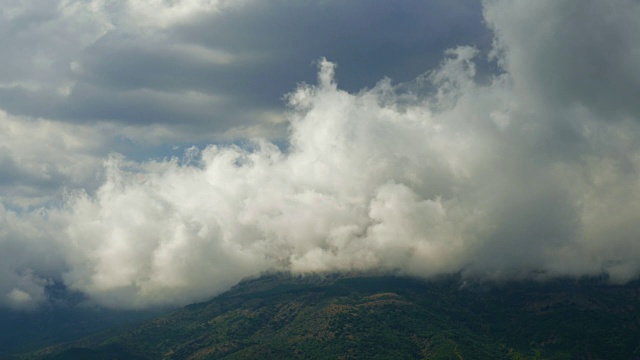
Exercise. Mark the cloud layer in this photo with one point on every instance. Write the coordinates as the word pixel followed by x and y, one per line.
pixel 532 173
pixel 196 70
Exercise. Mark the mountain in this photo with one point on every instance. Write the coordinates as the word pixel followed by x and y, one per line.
pixel 384 317
pixel 67 316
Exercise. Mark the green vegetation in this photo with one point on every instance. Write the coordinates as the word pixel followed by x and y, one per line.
pixel 24 331
pixel 341 317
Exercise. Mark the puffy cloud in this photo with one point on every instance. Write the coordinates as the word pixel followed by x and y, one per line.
pixel 533 172
pixel 369 182
pixel 41 157
pixel 30 259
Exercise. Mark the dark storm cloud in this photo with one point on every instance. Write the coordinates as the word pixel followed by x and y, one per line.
pixel 245 58
pixel 370 40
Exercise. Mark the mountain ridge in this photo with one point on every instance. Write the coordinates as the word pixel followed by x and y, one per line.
pixel 355 316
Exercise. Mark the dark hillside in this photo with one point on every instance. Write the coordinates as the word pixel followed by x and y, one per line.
pixel 386 318
pixel 61 322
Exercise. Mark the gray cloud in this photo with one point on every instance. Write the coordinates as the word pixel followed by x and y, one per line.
pixel 529 172
pixel 208 72
pixel 582 54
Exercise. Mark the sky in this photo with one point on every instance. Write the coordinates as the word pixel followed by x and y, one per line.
pixel 156 152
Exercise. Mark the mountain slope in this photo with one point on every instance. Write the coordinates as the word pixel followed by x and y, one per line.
pixel 385 318
pixel 63 319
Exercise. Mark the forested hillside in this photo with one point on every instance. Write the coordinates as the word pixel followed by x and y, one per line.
pixel 383 317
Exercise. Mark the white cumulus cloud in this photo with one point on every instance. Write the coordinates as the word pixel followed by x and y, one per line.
pixel 533 172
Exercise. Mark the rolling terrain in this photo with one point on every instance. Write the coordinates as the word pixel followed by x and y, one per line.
pixel 384 317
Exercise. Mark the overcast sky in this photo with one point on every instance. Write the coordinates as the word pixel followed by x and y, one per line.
pixel 156 152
